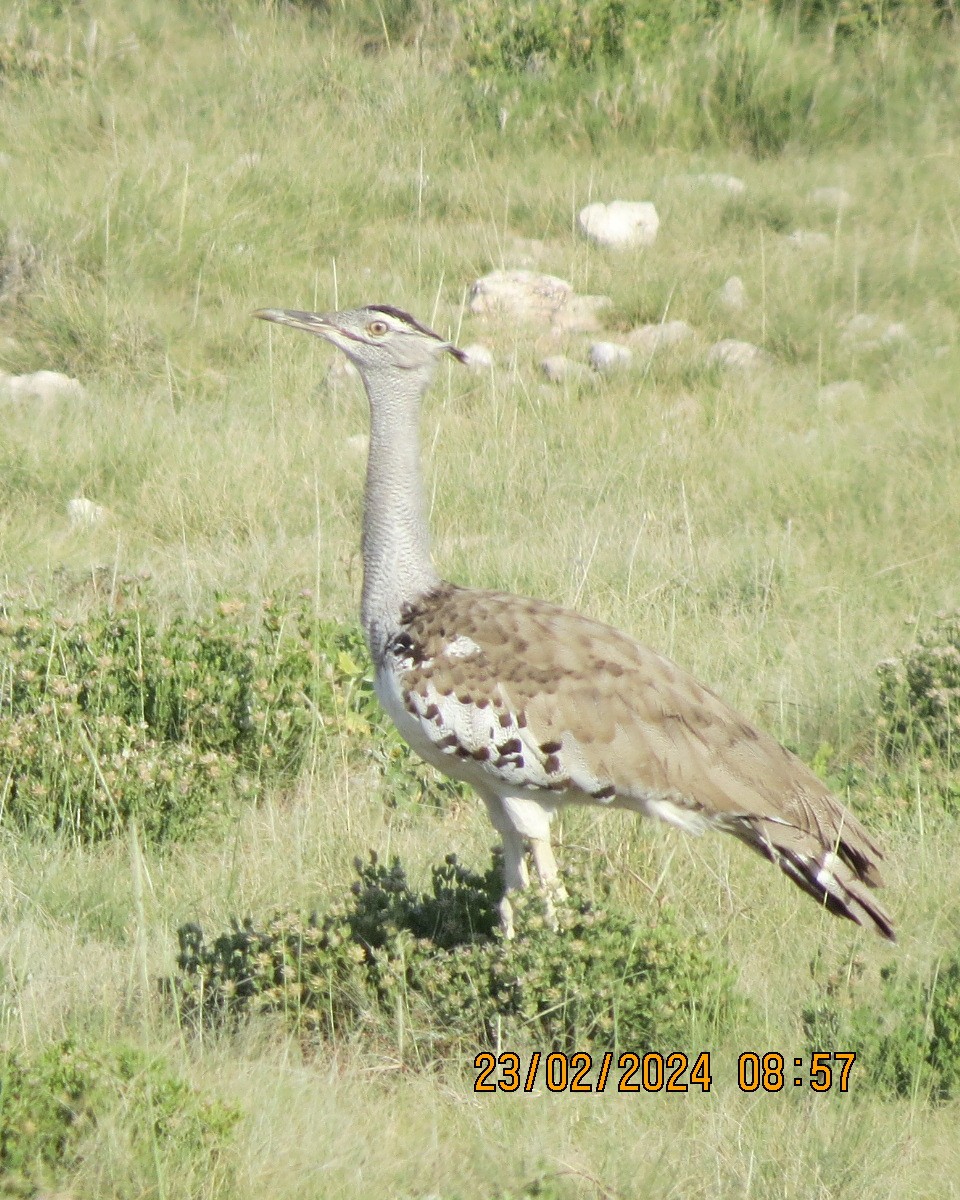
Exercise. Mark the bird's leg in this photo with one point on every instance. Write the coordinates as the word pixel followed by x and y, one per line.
pixel 549 876
pixel 515 875
pixel 522 824
pixel 546 865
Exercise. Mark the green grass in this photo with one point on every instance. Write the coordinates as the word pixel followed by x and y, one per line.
pixel 175 166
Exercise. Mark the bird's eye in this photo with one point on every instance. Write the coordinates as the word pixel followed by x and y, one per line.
pixel 377 328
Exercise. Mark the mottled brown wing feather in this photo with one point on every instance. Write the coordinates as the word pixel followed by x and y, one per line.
pixel 610 716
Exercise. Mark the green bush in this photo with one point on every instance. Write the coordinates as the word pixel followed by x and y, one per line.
pixel 856 18
pixel 919 696
pixel 113 718
pixel 52 1105
pixel 431 970
pixel 377 23
pixel 533 35
pixel 905 1029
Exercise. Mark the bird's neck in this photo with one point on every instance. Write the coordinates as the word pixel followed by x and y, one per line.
pixel 397 567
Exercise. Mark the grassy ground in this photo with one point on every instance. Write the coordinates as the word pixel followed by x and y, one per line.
pixel 174 167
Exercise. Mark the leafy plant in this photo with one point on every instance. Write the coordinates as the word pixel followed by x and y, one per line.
pixel 439 960
pixel 859 18
pixel 533 35
pixel 920 695
pixel 51 1106
pixel 113 718
pixel 904 1028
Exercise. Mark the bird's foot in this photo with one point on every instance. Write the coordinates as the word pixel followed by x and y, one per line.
pixel 506 918
pixel 554 894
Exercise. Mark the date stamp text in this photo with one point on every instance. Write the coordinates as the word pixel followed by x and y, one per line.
pixel 764 1071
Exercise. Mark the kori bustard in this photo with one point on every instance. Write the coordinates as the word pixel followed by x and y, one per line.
pixel 536 706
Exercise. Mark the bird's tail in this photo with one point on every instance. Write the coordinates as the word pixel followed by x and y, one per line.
pixel 839 875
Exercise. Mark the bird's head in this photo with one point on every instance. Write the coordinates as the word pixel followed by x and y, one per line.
pixel 375 338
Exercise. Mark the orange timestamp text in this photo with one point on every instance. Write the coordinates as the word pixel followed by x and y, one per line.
pixel 630 1071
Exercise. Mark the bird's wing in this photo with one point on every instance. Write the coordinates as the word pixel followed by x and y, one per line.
pixel 520 694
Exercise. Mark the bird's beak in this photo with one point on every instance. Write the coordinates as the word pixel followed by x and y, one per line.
pixel 326 327
pixel 310 322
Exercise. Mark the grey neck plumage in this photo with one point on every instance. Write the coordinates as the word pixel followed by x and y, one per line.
pixel 397 567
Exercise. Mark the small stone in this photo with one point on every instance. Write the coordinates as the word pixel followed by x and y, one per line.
pixel 358 444
pixel 609 356
pixel 841 390
pixel 895 332
pixel 620 223
pixel 716 180
pixel 860 326
pixel 731 353
pixel 558 367
pixel 83 513
pixel 478 358
pixel 526 295
pixel 648 339
pixel 808 239
pixel 830 197
pixel 866 331
pixel 43 386
pixel 580 314
pixel 733 294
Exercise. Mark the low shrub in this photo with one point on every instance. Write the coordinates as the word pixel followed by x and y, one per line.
pixel 905 1028
pixel 431 970
pixel 919 696
pixel 113 717
pixel 532 35
pixel 863 18
pixel 52 1106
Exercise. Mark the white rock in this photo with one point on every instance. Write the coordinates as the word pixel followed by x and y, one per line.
pixel 733 294
pixel 841 390
pixel 620 223
pixel 5 160
pixel 358 444
pixel 731 353
pixel 43 386
pixel 862 325
pixel 82 513
pixel 722 183
pixel 558 367
pixel 526 295
pixel 648 339
pixel 809 239
pixel 478 358
pixel 608 356
pixel 580 314
pixel 895 332
pixel 866 331
pixel 830 197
